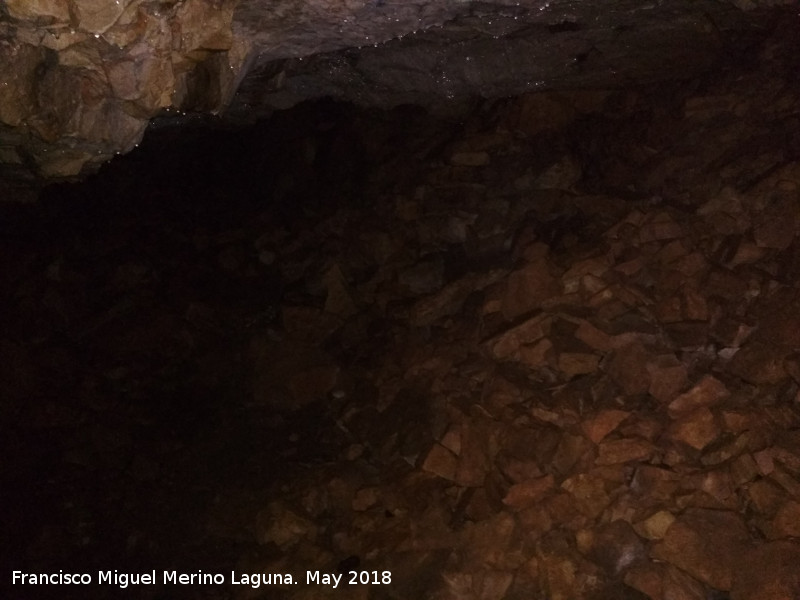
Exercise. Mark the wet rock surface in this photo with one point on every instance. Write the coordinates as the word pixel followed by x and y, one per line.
pixel 82 79
pixel 491 359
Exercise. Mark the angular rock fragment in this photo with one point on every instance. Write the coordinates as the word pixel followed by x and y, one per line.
pixel 759 362
pixel 525 494
pixel 708 392
pixel 625 450
pixel 628 367
pixel 768 572
pixel 696 429
pixel 707 544
pixel 599 426
pixel 668 376
pixel 616 548
pixel 440 461
pixel 527 288
pixel 655 527
pixel 507 344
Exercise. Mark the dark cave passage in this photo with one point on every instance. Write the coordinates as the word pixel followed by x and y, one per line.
pixel 546 350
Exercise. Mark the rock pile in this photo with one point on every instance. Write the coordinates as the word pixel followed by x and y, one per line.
pixel 538 364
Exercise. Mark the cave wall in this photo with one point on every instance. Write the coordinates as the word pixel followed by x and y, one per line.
pixel 82 79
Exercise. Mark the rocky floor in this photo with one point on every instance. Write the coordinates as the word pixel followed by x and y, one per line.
pixel 550 352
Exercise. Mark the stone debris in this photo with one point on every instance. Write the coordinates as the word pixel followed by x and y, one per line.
pixel 607 408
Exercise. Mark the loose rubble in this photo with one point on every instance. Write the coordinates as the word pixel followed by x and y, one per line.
pixel 492 381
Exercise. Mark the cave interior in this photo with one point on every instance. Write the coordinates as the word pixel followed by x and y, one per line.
pixel 457 343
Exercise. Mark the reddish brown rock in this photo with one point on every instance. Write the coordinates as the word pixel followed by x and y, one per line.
pixel 766 496
pixel 697 429
pixel 691 265
pixel 573 451
pixel 725 284
pixel 760 362
pixel 536 355
pixel 743 470
pixel 673 250
pixel 598 427
pixel 746 254
pixel 648 579
pixel 527 288
pixel 659 227
pixel 473 462
pixel 718 484
pixel 589 492
pixel 764 461
pixel 284 526
pixel 596 267
pixel 738 421
pixel 628 368
pixel 616 548
pixel 787 520
pixel 535 521
pixel 787 450
pixel 707 544
pixel 669 310
pixel 452 439
pixel 313 383
pixel 656 482
pixel 655 526
pixel 291 374
pixel 470 159
pixel 480 584
pixel 630 267
pixel 519 471
pixel 769 572
pixel 646 428
pixel 492 542
pixel 507 343
pixel 668 376
pixel 591 285
pixel 665 582
pixel 695 307
pixel 708 392
pixel 792 366
pixel 731 332
pixel 525 494
pixel 450 298
pixel 563 509
pixel 440 461
pixel 688 334
pixel 563 573
pixel 625 450
pixel 787 481
pixel 592 336
pixel 577 363
pixel 777 226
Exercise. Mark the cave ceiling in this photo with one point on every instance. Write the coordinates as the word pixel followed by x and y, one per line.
pixel 81 80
